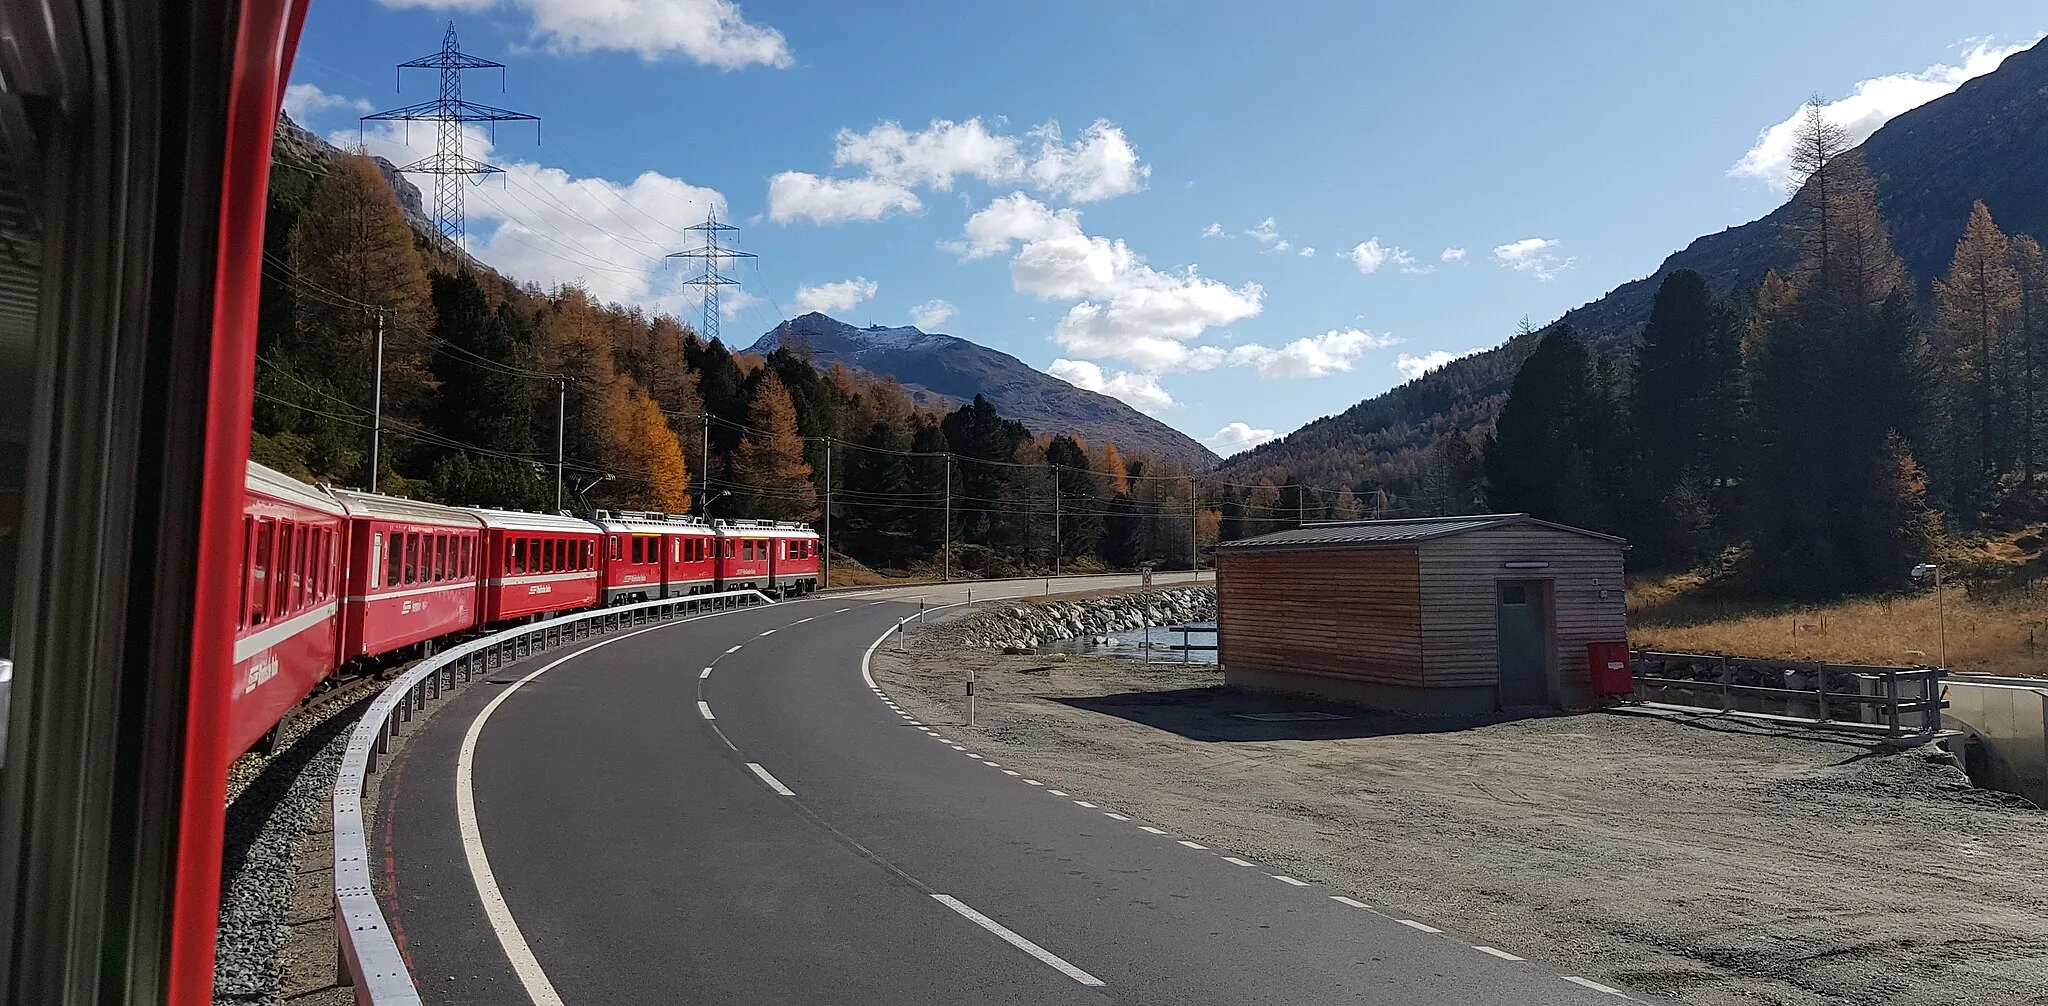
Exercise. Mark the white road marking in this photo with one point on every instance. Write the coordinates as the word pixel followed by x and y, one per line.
pixel 1234 861
pixel 1008 771
pixel 1412 924
pixel 1055 792
pixel 1192 845
pixel 1084 803
pixel 1046 956
pixel 704 709
pixel 971 754
pixel 773 783
pixel 1155 831
pixel 940 739
pixel 882 601
pixel 1591 984
pixel 1502 954
pixel 1033 782
pixel 991 764
pixel 705 674
pixel 524 965
pixel 733 650
pixel 768 632
pixel 1114 816
pixel 1353 902
pixel 957 747
pixel 916 723
pixel 801 621
pixel 838 610
pixel 1290 880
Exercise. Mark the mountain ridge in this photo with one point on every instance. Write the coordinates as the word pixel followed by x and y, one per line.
pixel 941 370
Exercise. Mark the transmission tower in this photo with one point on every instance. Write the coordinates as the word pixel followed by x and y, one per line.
pixel 448 164
pixel 712 254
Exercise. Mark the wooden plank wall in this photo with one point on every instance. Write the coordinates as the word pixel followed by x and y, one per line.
pixel 1458 575
pixel 1352 613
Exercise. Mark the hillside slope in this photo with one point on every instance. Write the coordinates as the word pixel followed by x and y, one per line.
pixel 1982 142
pixel 939 370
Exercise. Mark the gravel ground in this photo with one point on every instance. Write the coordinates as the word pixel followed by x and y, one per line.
pixel 1698 860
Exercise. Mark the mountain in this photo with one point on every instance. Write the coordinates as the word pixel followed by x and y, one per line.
pixel 943 370
pixel 1984 141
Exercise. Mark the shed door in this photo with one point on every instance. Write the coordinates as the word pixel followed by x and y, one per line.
pixel 1524 623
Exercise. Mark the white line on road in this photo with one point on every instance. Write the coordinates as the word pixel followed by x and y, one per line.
pixel 1008 771
pixel 1234 861
pixel 838 610
pixel 882 601
pixel 704 709
pixel 1412 924
pixel 974 756
pixel 733 650
pixel 1114 816
pixel 957 747
pixel 1033 782
pixel 991 764
pixel 705 674
pixel 1355 903
pixel 1192 845
pixel 1591 984
pixel 773 783
pixel 1046 956
pixel 1084 803
pixel 1056 792
pixel 1290 880
pixel 1155 831
pixel 768 632
pixel 801 621
pixel 1502 954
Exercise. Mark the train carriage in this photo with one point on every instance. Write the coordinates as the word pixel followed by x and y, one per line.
pixel 287 621
pixel 413 570
pixel 654 555
pixel 779 558
pixel 536 563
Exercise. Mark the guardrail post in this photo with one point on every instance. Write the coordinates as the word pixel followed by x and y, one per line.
pixel 435 678
pixel 1727 686
pixel 1891 703
pixel 1820 690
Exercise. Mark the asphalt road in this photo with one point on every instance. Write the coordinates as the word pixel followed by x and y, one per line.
pixel 775 832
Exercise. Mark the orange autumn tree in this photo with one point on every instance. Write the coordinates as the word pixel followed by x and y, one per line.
pixel 642 440
pixel 771 478
pixel 1112 476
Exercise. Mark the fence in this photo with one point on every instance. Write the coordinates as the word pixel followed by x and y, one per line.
pixel 368 956
pixel 1903 704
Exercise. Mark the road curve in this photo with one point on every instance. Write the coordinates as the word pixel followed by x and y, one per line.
pixel 724 811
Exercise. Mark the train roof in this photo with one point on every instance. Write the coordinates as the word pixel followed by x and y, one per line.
pixel 398 508
pixel 523 520
pixel 765 529
pixel 650 523
pixel 272 482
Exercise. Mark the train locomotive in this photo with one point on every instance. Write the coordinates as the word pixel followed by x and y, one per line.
pixel 334 580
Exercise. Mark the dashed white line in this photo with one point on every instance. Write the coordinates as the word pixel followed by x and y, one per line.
pixel 974 756
pixel 768 632
pixel 704 709
pixel 838 610
pixel 1234 861
pixel 957 747
pixel 706 673
pixel 773 783
pixel 916 723
pixel 1009 771
pixel 940 739
pixel 1033 782
pixel 1502 954
pixel 801 621
pixel 882 601
pixel 1591 984
pixel 1412 924
pixel 1289 880
pixel 1353 902
pixel 1084 803
pixel 991 764
pixel 1192 845
pixel 1055 792
pixel 1149 828
pixel 735 649
pixel 1045 956
pixel 1114 816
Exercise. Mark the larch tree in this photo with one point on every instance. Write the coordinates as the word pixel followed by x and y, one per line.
pixel 1114 477
pixel 1262 513
pixel 644 443
pixel 1975 304
pixel 1347 507
pixel 770 477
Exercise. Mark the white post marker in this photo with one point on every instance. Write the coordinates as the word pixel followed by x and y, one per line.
pixel 970 696
pixel 899 636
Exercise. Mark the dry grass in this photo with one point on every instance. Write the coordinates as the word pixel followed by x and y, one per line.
pixel 2008 635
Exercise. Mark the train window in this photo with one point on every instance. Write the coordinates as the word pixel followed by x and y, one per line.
pixel 259 575
pixel 388 552
pixel 468 557
pixel 412 557
pixel 589 555
pixel 281 572
pixel 302 571
pixel 515 555
pixel 638 544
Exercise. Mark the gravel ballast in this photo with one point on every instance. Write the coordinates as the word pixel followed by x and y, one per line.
pixel 1696 860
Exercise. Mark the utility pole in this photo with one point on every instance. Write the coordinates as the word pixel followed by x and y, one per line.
pixel 704 477
pixel 828 513
pixel 377 406
pixel 948 575
pixel 1056 549
pixel 712 255
pixel 448 164
pixel 1195 541
pixel 561 433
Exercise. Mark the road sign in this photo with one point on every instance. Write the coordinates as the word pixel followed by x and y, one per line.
pixel 1145 579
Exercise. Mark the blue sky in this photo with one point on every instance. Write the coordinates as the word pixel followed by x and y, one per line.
pixel 1125 193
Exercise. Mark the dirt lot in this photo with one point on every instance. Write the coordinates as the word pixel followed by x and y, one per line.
pixel 1696 861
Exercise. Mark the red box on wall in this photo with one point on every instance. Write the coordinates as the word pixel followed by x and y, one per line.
pixel 1607 668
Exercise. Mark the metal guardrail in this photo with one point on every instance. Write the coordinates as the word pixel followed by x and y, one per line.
pixel 1902 703
pixel 368 955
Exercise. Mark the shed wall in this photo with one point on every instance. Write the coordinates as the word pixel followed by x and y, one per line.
pixel 1458 576
pixel 1352 613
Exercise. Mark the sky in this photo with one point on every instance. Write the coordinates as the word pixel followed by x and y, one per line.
pixel 1235 218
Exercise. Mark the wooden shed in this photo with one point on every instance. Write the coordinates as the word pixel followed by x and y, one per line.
pixel 1436 615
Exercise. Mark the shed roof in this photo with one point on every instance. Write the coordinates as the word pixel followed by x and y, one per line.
pixel 1392 533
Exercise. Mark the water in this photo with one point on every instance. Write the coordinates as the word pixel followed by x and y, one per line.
pixel 1130 645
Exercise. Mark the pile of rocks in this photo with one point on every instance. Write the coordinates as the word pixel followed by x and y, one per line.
pixel 1023 626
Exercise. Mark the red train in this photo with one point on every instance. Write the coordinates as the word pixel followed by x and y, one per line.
pixel 333 579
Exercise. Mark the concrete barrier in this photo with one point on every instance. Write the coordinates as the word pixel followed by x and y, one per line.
pixel 2010 722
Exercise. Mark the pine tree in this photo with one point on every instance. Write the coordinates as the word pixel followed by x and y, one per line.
pixel 1682 408
pixel 1453 481
pixel 1974 305
pixel 769 475
pixel 1262 512
pixel 1535 459
pixel 2030 270
pixel 1080 509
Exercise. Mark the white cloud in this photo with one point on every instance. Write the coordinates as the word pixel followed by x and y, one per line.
pixel 1317 356
pixel 1452 255
pixel 1535 256
pixel 1214 230
pixel 545 226
pixel 1870 105
pixel 711 32
pixel 1371 255
pixel 1308 251
pixel 1266 232
pixel 1139 391
pixel 835 297
pixel 302 100
pixel 795 195
pixel 932 313
pixel 1412 367
pixel 1235 437
pixel 894 160
pixel 1012 219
